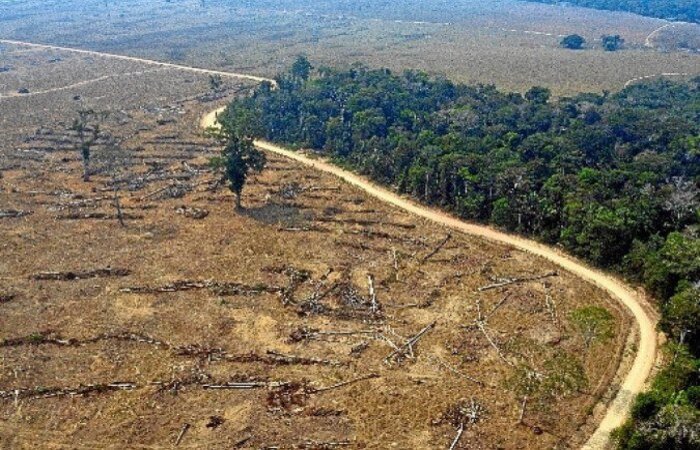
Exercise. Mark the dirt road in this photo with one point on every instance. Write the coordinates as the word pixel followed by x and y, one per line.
pixel 138 60
pixel 644 360
pixel 635 380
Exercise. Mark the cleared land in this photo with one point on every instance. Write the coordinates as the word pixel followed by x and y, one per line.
pixel 156 318
pixel 511 44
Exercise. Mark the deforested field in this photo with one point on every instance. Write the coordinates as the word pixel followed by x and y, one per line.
pixel 511 44
pixel 139 310
pixel 317 318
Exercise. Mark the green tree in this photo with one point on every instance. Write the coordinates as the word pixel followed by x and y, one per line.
pixel 301 68
pixel 573 42
pixel 216 83
pixel 239 156
pixel 681 318
pixel 612 43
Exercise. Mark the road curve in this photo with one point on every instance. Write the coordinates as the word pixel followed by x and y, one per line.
pixel 645 358
pixel 644 361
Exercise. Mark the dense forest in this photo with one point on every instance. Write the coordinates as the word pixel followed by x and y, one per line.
pixel 682 10
pixel 612 178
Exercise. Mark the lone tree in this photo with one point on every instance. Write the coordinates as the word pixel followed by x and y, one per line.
pixel 87 125
pixel 573 42
pixel 239 156
pixel 216 83
pixel 612 42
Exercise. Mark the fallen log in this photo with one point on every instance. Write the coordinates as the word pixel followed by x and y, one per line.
pixel 183 431
pixel 436 249
pixel 219 288
pixel 82 275
pixel 192 213
pixel 509 281
pixel 80 391
pixel 408 226
pixel 460 430
pixel 13 213
pixel 407 347
pixel 244 385
pixel 98 216
pixel 345 383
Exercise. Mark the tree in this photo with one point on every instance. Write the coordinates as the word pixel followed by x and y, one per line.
pixel 612 43
pixel 216 83
pixel 87 125
pixel 538 95
pixel 573 42
pixel 239 156
pixel 301 68
pixel 594 323
pixel 681 318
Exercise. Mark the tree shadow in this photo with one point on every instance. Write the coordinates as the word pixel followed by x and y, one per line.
pixel 278 214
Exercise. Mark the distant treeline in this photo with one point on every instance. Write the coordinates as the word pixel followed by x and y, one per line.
pixel 612 178
pixel 681 10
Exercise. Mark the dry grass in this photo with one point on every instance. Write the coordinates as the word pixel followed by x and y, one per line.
pixel 514 45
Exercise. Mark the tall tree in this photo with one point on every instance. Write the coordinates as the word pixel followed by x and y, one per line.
pixel 239 156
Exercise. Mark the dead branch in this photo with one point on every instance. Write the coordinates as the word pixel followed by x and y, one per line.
pixel 346 383
pixel 304 229
pixel 82 275
pixel 365 223
pixel 13 213
pixel 436 249
pixel 456 371
pixel 497 305
pixel 374 305
pixel 219 288
pixel 407 348
pixel 396 263
pixel 551 306
pixel 509 281
pixel 80 391
pixel 317 445
pixel 244 385
pixel 308 334
pixel 522 410
pixel 98 216
pixel 482 327
pixel 460 430
pixel 185 427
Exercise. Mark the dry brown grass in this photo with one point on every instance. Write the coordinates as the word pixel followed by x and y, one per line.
pixel 511 44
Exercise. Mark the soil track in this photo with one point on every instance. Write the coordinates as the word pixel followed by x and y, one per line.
pixel 644 360
pixel 138 60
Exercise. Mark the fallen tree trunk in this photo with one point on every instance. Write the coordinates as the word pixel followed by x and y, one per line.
pixel 13 213
pixel 82 275
pixel 509 281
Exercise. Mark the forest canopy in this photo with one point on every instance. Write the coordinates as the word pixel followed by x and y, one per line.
pixel 613 178
pixel 681 10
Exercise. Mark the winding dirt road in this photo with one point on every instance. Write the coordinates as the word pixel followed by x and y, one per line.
pixel 645 358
